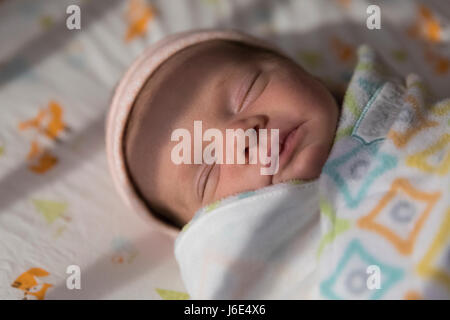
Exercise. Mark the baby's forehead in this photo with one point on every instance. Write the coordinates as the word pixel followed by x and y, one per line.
pixel 181 80
pixel 194 61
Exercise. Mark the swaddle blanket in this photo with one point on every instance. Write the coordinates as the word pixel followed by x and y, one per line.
pixel 253 245
pixel 384 226
pixel 384 191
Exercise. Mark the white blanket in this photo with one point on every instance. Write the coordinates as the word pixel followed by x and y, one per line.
pixel 255 245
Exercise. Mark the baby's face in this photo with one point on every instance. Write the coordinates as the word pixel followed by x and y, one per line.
pixel 226 86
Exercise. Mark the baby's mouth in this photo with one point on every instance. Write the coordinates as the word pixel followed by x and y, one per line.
pixel 282 141
pixel 287 143
pixel 289 140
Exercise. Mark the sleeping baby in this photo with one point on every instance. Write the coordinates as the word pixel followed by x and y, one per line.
pixel 348 184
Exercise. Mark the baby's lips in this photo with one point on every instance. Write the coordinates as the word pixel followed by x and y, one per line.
pixel 268 150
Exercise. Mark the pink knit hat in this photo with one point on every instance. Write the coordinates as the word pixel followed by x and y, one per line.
pixel 123 101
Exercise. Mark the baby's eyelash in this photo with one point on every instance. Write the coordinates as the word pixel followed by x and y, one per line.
pixel 204 181
pixel 252 83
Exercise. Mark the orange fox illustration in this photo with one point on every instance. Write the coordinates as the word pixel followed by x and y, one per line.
pixel 27 282
pixel 48 122
pixel 138 16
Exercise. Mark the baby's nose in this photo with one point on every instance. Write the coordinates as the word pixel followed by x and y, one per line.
pixel 253 122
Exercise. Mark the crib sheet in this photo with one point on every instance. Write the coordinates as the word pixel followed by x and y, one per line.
pixel 58 207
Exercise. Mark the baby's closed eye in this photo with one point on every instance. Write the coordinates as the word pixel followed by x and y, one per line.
pixel 259 82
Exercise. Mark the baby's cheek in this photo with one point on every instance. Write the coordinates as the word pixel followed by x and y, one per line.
pixel 240 178
pixel 309 163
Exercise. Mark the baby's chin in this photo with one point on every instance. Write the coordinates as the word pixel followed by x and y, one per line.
pixel 306 163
